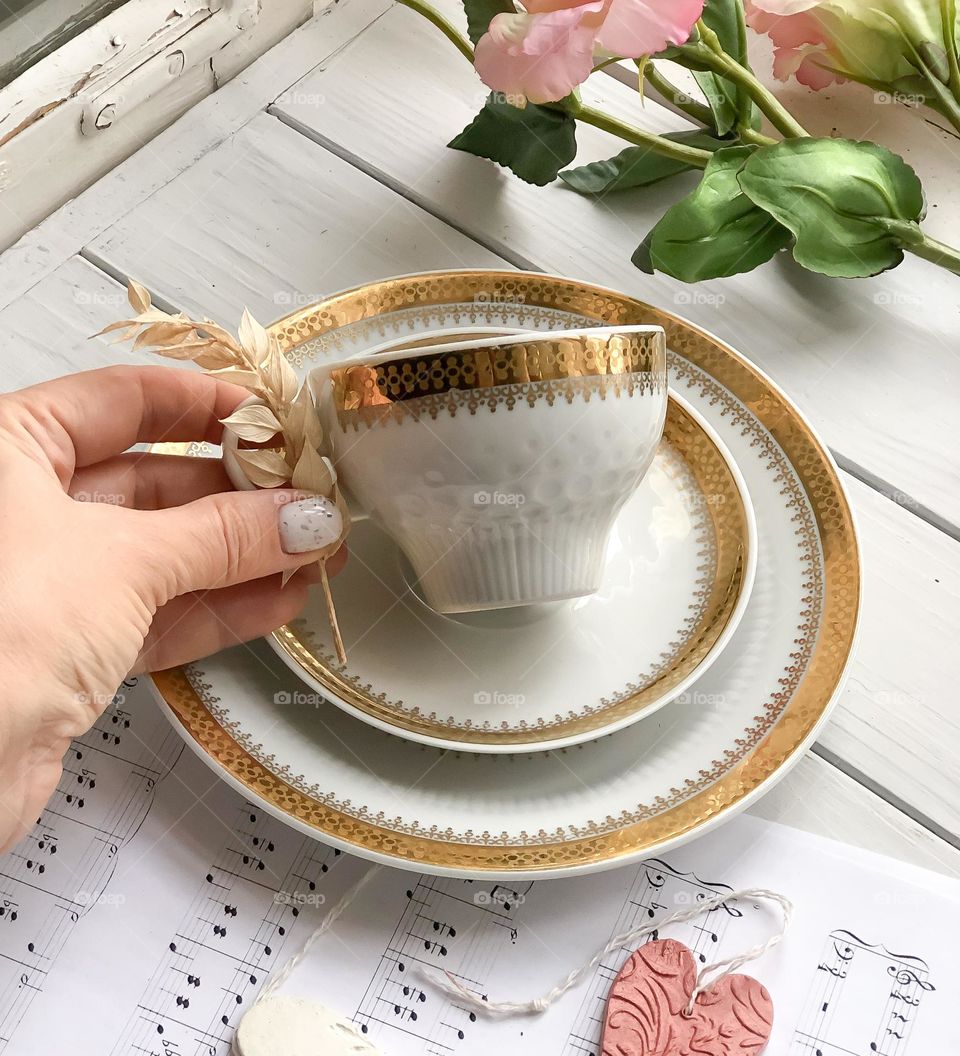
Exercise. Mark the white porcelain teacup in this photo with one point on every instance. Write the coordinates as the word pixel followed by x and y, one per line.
pixel 498 464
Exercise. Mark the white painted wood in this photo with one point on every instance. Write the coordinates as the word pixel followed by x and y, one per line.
pixel 270 220
pixel 873 361
pixel 898 721
pixel 818 798
pixel 50 148
pixel 25 161
pixel 47 332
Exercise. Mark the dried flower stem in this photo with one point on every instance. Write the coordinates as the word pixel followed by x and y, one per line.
pixel 284 412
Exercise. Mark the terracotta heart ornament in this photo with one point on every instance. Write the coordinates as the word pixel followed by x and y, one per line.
pixel 646 1009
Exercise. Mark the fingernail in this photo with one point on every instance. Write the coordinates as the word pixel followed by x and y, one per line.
pixel 309 524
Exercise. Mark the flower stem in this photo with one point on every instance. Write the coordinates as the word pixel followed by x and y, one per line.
pixel 710 53
pixel 750 135
pixel 675 97
pixel 949 105
pixel 948 15
pixel 640 138
pixel 932 249
pixel 447 28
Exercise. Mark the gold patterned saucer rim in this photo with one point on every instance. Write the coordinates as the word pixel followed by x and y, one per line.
pixel 795 708
pixel 718 597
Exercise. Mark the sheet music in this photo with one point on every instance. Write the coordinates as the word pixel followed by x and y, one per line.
pixel 151 903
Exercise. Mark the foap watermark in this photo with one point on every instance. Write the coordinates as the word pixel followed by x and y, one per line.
pixel 104 898
pixel 296 97
pixel 99 297
pixel 499 498
pixel 485 698
pixel 901 498
pixel 894 297
pixel 712 99
pixel 299 898
pixel 707 499
pixel 687 898
pixel 294 299
pixel 499 896
pixel 298 697
pixel 111 498
pixel 98 699
pixel 508 99
pixel 699 297
pixel 700 699
pixel 499 297
pixel 898 99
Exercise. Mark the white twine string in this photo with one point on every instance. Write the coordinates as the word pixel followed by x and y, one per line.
pixel 277 979
pixel 452 986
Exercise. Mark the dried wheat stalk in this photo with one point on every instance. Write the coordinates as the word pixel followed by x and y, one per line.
pixel 286 413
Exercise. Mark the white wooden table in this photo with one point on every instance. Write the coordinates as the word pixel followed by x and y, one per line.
pixel 323 165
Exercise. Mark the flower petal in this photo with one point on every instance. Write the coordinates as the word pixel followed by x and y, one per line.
pixel 643 27
pixel 783 7
pixel 542 57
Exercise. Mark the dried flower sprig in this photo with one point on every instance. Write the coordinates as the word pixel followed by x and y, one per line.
pixel 286 412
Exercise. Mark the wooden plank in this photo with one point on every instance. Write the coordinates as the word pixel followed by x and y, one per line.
pixel 269 221
pixel 45 247
pixel 51 149
pixel 872 361
pixel 47 332
pixel 817 798
pixel 898 722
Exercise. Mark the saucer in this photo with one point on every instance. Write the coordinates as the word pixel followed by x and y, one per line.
pixel 615 800
pixel 678 574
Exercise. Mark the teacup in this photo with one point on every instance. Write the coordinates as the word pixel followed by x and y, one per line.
pixel 498 464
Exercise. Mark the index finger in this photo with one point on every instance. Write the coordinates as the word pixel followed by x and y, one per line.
pixel 106 411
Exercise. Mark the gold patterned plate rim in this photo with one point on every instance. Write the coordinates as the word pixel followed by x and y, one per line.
pixel 731 527
pixel 799 713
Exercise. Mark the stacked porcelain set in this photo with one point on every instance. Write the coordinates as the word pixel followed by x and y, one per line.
pixel 602 590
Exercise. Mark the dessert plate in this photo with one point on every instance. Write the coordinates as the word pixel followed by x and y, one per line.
pixel 676 581
pixel 679 772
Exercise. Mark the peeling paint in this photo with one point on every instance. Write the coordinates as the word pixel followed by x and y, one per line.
pixel 33 118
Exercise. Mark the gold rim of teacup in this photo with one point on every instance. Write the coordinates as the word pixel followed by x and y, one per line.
pixel 634 356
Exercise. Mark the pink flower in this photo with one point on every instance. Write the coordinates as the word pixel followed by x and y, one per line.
pixel 820 42
pixel 545 52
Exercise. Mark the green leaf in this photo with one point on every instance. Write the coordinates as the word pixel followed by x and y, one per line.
pixel 635 166
pixel 721 97
pixel 480 12
pixel 534 143
pixel 936 59
pixel 723 17
pixel 714 232
pixel 838 197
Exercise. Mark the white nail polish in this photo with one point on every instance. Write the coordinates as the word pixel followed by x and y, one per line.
pixel 309 524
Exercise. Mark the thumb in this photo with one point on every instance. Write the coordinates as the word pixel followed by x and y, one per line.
pixel 235 536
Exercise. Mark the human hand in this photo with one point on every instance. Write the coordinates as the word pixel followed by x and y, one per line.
pixel 159 562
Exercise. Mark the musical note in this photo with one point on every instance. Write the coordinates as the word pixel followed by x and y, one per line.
pixel 231 936
pixel 438 921
pixel 857 977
